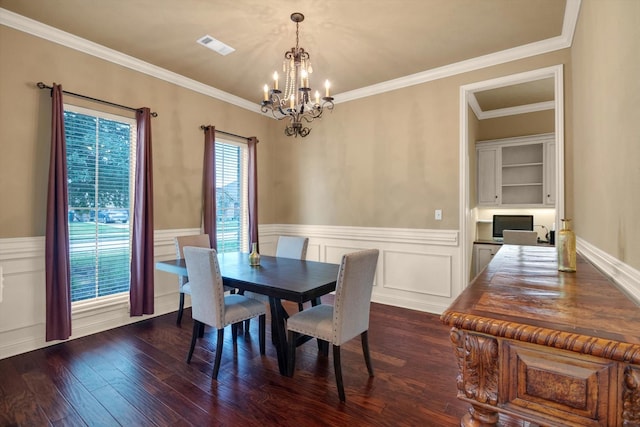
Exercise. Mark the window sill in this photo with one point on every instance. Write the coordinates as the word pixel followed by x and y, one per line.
pixel 101 303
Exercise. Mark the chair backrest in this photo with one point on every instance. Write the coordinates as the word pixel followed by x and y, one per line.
pixel 197 240
pixel 292 247
pixel 207 292
pixel 353 295
pixel 520 237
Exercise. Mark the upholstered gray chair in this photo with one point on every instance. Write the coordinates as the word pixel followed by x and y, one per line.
pixel 210 306
pixel 199 240
pixel 520 237
pixel 287 247
pixel 292 247
pixel 347 318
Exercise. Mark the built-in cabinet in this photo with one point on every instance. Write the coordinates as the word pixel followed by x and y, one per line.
pixel 482 255
pixel 516 171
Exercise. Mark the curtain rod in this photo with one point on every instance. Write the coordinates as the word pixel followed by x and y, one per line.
pixel 44 86
pixel 204 127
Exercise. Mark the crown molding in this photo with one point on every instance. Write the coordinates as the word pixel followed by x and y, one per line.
pixel 38 29
pixel 562 41
pixel 512 79
pixel 55 35
pixel 512 111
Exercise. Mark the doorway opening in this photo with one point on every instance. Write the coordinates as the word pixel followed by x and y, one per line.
pixel 507 89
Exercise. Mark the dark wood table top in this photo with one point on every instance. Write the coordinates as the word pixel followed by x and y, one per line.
pixel 522 295
pixel 283 278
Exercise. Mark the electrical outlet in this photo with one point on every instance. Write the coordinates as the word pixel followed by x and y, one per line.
pixel 438 214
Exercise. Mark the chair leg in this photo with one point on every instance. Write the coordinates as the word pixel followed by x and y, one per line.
pixel 323 347
pixel 194 337
pixel 247 324
pixel 291 350
pixel 216 365
pixel 300 306
pixel 364 337
pixel 234 332
pixel 180 309
pixel 337 367
pixel 262 321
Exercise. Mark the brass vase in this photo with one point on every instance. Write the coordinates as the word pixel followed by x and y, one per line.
pixel 254 256
pixel 566 245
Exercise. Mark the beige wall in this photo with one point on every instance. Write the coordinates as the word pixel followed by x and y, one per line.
pixel 385 161
pixel 606 127
pixel 518 125
pixel 25 122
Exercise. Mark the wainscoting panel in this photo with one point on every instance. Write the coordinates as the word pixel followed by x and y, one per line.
pixel 417 269
pixel 405 271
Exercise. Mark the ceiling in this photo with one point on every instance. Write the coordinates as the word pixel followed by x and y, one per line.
pixel 356 44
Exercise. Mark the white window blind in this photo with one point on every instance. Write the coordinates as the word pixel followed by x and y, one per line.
pixel 100 169
pixel 231 196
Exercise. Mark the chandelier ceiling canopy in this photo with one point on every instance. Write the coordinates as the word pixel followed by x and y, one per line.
pixel 294 102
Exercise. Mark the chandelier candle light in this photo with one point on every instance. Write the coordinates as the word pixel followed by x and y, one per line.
pixel 295 103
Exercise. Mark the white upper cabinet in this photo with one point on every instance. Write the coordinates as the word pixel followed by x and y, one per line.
pixel 487 176
pixel 517 172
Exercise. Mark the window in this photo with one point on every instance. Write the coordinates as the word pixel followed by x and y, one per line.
pixel 100 165
pixel 231 197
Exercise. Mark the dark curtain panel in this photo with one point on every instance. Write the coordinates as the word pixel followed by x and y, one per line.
pixel 58 271
pixel 209 186
pixel 142 263
pixel 253 192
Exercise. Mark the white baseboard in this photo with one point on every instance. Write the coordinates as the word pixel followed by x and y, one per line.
pixel 626 277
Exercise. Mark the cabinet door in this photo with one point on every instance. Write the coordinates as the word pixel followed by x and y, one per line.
pixel 483 255
pixel 487 176
pixel 550 173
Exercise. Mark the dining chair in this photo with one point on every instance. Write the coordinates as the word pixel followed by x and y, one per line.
pixel 345 319
pixel 520 237
pixel 210 306
pixel 292 247
pixel 287 247
pixel 197 240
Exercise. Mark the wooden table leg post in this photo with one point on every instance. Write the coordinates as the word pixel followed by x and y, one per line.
pixel 480 417
pixel 279 333
pixel 477 357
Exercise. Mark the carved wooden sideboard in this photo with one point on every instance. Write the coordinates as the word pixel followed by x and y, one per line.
pixel 552 348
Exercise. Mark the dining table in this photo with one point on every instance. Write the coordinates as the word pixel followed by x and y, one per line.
pixel 278 279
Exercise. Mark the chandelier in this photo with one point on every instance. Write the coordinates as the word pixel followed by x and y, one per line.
pixel 295 103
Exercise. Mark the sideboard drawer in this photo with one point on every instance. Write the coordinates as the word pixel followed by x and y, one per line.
pixel 558 384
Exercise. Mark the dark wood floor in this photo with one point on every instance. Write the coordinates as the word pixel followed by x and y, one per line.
pixel 136 375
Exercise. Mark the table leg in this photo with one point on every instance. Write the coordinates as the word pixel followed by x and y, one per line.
pixel 480 417
pixel 278 332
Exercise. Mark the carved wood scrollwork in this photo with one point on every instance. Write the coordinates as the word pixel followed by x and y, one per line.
pixel 477 358
pixel 631 397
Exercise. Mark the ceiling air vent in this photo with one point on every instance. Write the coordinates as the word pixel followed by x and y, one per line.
pixel 215 45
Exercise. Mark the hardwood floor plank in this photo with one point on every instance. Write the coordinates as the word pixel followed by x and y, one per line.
pixel 19 405
pixel 137 375
pixel 86 406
